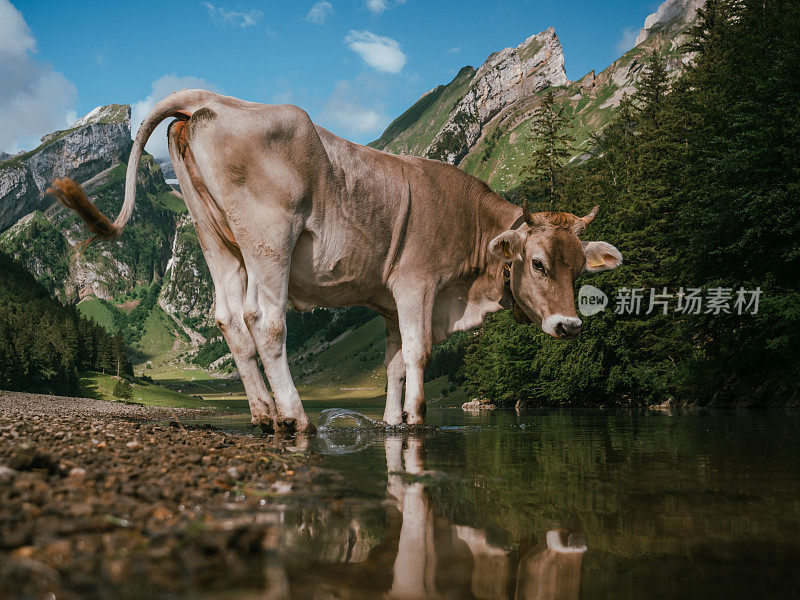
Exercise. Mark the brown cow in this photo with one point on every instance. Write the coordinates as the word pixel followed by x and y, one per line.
pixel 285 210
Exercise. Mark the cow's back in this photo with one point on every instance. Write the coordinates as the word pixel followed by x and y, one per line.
pixel 435 209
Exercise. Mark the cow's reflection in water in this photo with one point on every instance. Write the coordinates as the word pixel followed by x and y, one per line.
pixel 422 556
pixel 429 549
pixel 415 565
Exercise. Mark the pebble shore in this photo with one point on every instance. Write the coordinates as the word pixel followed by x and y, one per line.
pixel 113 500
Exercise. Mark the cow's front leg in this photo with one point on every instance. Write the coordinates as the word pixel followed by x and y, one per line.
pixel 395 374
pixel 414 317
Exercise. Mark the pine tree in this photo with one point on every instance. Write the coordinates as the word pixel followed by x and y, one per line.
pixel 107 363
pixel 651 91
pixel 615 144
pixel 123 389
pixel 122 365
pixel 551 149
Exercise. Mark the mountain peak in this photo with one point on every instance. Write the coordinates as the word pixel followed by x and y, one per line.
pixel 671 17
pixel 540 54
pixel 506 77
pixel 111 113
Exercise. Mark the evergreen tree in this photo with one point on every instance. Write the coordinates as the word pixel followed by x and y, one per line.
pixel 123 389
pixel 123 366
pixel 651 91
pixel 43 344
pixel 551 148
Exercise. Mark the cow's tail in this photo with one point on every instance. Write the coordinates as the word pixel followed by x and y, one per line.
pixel 181 105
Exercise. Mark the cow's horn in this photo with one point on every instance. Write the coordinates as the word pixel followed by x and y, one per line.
pixel 526 212
pixel 583 222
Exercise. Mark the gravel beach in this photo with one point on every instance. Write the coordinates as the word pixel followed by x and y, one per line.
pixel 112 500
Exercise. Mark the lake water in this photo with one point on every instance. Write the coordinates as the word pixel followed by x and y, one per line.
pixel 548 505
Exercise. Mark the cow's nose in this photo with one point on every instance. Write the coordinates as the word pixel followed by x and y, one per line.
pixel 568 328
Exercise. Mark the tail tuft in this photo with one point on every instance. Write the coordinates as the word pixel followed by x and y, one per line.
pixel 71 195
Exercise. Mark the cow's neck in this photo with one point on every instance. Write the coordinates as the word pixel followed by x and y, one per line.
pixel 485 291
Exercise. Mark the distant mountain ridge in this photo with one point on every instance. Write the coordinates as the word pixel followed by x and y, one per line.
pixel 480 121
pixel 92 144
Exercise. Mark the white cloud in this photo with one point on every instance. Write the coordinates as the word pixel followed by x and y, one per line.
pixel 379 52
pixel 627 40
pixel 349 114
pixel 34 98
pixel 320 12
pixel 160 89
pixel 376 7
pixel 454 50
pixel 15 35
pixel 232 18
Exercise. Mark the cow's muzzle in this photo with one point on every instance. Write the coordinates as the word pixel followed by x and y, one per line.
pixel 561 327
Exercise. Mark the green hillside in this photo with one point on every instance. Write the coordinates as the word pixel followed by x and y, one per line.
pixel 414 130
pixel 502 152
pixel 100 311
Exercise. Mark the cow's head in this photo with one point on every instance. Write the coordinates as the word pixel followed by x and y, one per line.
pixel 546 256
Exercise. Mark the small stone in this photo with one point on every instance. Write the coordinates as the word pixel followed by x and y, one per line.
pixel 233 472
pixel 24 552
pixel 134 445
pixel 281 487
pixel 6 473
pixel 77 473
pixel 23 456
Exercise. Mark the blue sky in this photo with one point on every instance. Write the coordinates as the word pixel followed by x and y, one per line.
pixel 354 65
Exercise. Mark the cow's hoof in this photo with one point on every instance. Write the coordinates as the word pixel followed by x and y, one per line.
pixel 415 420
pixel 266 423
pixel 392 421
pixel 292 425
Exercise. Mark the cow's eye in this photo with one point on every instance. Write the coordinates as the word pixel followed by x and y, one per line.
pixel 538 266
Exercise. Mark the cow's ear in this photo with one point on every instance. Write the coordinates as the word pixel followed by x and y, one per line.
pixel 508 246
pixel 601 256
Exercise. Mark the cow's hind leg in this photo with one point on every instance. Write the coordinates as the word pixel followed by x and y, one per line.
pixel 267 258
pixel 230 284
pixel 265 316
pixel 230 287
pixel 395 374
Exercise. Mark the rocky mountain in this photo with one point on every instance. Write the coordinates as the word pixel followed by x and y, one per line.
pixel 188 290
pixel 112 276
pixel 480 121
pixel 670 20
pixel 91 145
pixel 44 236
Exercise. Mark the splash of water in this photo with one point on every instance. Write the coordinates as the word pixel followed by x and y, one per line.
pixel 343 431
pixel 343 417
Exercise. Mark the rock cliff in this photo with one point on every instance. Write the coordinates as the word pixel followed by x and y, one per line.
pixel 671 18
pixel 188 290
pixel 505 77
pixel 91 145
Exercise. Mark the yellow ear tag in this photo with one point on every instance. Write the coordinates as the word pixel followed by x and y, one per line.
pixel 506 251
pixel 594 264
